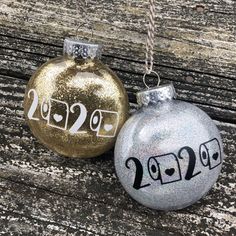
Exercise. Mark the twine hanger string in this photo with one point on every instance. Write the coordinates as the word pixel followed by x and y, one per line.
pixel 83 6
pixel 150 44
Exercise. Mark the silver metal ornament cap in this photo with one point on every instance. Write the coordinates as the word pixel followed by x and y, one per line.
pixel 156 95
pixel 79 49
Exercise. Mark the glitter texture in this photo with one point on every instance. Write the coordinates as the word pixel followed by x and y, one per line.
pixel 169 153
pixel 60 84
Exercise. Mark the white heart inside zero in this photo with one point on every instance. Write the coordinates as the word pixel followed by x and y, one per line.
pixel 57 117
pixel 108 127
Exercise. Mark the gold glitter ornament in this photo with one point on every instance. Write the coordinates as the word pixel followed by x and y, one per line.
pixel 74 104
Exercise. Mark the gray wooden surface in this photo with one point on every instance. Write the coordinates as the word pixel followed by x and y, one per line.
pixel 42 193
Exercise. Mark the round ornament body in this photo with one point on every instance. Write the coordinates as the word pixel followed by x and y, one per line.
pixel 169 153
pixel 74 104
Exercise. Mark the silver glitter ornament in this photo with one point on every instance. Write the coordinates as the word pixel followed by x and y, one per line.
pixel 169 153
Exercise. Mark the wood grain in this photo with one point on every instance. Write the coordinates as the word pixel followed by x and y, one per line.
pixel 45 194
pixel 64 184
pixel 194 49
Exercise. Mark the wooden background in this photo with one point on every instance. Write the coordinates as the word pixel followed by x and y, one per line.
pixel 44 194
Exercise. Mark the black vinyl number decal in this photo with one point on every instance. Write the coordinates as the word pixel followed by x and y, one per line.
pixel 167 169
pixel 191 164
pixel 138 174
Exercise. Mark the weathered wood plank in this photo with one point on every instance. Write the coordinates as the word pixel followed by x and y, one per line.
pixel 18 224
pixel 216 93
pixel 186 37
pixel 195 49
pixel 92 181
pixel 198 57
pixel 83 216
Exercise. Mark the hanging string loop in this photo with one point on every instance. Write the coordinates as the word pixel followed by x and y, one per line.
pixel 150 44
pixel 157 76
pixel 83 6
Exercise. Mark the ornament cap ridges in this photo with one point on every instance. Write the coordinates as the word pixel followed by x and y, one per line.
pixel 156 95
pixel 80 49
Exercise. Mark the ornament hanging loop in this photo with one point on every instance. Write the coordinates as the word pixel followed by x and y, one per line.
pixel 91 31
pixel 149 61
pixel 84 6
pixel 148 73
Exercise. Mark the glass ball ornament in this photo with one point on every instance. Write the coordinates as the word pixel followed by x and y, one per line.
pixel 74 104
pixel 169 153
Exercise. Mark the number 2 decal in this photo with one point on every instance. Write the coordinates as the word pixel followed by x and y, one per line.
pixel 191 164
pixel 33 105
pixel 80 120
pixel 138 174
